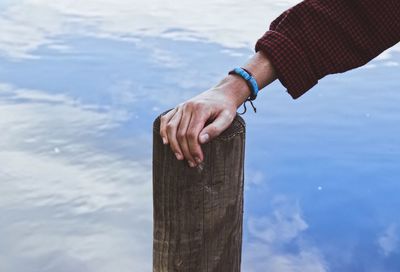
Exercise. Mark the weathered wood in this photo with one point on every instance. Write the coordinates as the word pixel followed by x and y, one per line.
pixel 198 212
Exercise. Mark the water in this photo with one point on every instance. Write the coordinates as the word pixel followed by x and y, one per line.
pixel 80 85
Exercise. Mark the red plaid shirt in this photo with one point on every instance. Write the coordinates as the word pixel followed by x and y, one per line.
pixel 320 37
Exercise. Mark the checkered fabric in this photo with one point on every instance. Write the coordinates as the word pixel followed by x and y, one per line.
pixel 320 37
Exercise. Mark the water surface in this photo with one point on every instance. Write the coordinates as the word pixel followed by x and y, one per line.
pixel 80 85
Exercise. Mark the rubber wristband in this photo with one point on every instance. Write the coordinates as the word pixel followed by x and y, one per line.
pixel 250 80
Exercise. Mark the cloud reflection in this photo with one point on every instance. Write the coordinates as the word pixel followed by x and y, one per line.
pixel 271 237
pixel 388 241
pixel 66 204
pixel 29 24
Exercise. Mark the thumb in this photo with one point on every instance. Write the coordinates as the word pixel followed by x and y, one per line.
pixel 211 131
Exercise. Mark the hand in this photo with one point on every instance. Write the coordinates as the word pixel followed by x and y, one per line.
pixel 184 126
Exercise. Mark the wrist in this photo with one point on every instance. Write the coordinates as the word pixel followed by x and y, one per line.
pixel 261 69
pixel 235 88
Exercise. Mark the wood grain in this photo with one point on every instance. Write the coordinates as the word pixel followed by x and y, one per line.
pixel 198 212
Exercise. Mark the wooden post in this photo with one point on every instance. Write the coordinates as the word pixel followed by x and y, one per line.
pixel 198 212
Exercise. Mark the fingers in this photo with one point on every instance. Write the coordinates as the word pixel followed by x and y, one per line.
pixel 196 125
pixel 172 127
pixel 182 136
pixel 163 124
pixel 222 122
pixel 183 128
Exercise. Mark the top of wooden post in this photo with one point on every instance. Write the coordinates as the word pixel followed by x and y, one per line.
pixel 238 126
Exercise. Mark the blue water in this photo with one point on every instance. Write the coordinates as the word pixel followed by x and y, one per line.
pixel 80 86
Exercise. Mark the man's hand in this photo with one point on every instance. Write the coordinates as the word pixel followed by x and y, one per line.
pixel 183 128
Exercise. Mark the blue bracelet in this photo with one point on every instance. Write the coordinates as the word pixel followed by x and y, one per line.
pixel 249 79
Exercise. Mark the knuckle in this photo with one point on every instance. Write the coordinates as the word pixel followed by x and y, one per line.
pixel 192 135
pixel 198 106
pixel 163 125
pixel 170 126
pixel 180 135
pixel 194 105
pixel 189 104
pixel 162 128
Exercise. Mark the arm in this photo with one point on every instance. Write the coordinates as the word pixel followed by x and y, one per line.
pixel 307 42
pixel 319 37
pixel 183 127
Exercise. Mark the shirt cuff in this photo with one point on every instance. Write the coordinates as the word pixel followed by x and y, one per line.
pixel 290 63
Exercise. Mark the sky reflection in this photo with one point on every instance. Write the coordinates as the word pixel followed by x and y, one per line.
pixel 64 201
pixel 80 85
pixel 27 25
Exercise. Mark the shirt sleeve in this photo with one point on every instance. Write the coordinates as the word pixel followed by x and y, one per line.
pixel 320 37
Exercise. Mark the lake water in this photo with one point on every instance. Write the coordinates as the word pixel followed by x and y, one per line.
pixel 80 85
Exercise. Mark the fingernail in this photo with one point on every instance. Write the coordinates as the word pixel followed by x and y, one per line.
pixel 204 138
pixel 197 159
pixel 164 140
pixel 178 156
pixel 191 164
